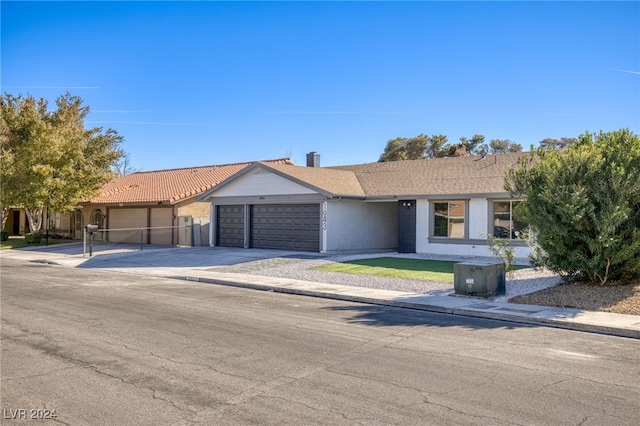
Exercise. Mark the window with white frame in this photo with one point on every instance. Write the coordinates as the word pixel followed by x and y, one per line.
pixel 448 219
pixel 504 224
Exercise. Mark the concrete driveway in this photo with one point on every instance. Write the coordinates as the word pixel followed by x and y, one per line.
pixel 125 256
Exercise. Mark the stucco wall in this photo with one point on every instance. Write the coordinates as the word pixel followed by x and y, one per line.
pixel 62 223
pixel 200 212
pixel 261 182
pixel 357 226
pixel 194 209
pixel 18 225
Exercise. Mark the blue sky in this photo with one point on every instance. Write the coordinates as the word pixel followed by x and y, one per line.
pixel 197 83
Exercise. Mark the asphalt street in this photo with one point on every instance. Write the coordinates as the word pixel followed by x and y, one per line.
pixel 99 347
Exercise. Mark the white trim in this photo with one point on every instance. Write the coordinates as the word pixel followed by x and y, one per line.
pixel 213 225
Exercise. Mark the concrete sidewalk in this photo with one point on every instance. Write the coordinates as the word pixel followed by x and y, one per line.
pixel 191 263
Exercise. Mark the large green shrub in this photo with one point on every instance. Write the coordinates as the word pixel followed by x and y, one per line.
pixel 4 235
pixel 33 238
pixel 583 203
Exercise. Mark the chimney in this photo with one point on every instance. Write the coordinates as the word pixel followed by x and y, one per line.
pixel 313 159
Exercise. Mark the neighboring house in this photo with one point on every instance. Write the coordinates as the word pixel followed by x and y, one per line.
pixel 440 206
pixel 16 221
pixel 163 200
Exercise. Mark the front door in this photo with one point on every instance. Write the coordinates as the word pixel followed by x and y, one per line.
pixel 407 226
pixel 16 222
pixel 78 225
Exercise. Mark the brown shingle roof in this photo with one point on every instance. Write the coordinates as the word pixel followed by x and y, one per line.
pixel 436 176
pixel 419 178
pixel 169 186
pixel 327 180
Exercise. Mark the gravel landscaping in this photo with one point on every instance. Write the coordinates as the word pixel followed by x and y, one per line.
pixel 526 286
pixel 623 298
pixel 521 282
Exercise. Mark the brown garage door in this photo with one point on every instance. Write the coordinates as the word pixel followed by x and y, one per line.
pixel 161 221
pixel 136 221
pixel 286 226
pixel 230 226
pixel 130 219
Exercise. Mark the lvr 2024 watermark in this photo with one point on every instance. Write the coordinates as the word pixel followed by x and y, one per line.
pixel 29 414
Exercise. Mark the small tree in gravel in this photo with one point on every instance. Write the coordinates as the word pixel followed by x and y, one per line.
pixel 583 204
pixel 503 250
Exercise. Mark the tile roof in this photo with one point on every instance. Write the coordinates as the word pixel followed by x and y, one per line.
pixel 169 186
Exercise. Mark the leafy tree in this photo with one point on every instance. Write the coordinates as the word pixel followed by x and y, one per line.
pixel 557 143
pixel 6 165
pixel 499 146
pixel 471 145
pixel 417 148
pixel 405 148
pixel 514 147
pixel 49 160
pixel 394 150
pixel 436 146
pixel 583 203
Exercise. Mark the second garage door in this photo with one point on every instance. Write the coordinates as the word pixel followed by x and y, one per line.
pixel 130 219
pixel 230 226
pixel 286 226
pixel 137 221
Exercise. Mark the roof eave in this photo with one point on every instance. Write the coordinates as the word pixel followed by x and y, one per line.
pixel 129 203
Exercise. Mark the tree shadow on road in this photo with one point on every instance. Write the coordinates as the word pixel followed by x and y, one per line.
pixel 385 316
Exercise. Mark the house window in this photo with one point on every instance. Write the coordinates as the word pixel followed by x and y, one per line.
pixel 449 219
pixel 504 224
pixel 97 218
pixel 77 223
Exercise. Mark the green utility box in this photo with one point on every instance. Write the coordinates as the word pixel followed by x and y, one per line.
pixel 479 279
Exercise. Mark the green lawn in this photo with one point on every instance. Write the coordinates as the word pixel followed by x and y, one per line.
pixel 411 269
pixel 18 242
pixel 396 267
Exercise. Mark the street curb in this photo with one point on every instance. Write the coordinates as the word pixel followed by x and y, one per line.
pixel 498 316
pixel 620 325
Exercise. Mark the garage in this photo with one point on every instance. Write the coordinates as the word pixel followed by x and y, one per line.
pixel 230 226
pixel 135 219
pixel 126 219
pixel 286 226
pixel 161 222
